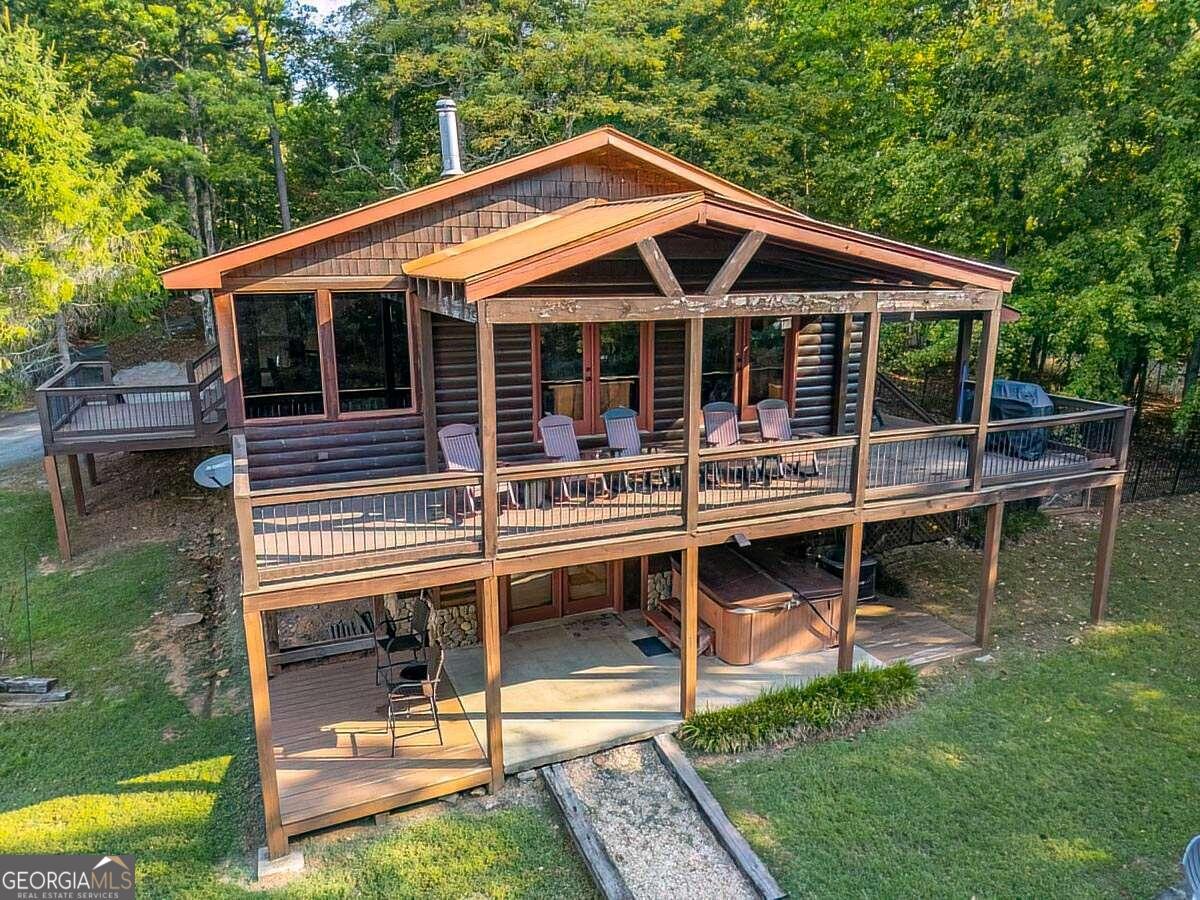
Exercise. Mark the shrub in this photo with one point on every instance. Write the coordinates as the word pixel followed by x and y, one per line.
pixel 801 711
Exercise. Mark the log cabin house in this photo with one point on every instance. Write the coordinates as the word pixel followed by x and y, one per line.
pixel 594 274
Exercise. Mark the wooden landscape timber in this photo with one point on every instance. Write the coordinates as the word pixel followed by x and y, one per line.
pixel 595 243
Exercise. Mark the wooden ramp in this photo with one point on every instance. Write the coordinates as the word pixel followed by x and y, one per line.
pixel 332 747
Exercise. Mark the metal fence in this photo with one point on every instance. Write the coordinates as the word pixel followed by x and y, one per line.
pixel 1162 462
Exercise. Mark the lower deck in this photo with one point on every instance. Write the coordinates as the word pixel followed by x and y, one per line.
pixel 332 746
pixel 569 687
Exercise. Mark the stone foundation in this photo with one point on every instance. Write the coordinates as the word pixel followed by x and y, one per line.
pixel 658 589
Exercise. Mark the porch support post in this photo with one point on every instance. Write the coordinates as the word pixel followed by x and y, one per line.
pixel 689 628
pixel 77 484
pixel 428 390
pixel 982 410
pixel 866 406
pixel 231 372
pixel 962 356
pixel 277 844
pixel 490 501
pixel 489 609
pixel 987 583
pixel 50 465
pixel 93 478
pixel 841 372
pixel 1109 514
pixel 693 342
pixel 848 618
pixel 328 355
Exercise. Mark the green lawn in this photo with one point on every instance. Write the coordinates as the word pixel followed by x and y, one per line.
pixel 125 767
pixel 1069 770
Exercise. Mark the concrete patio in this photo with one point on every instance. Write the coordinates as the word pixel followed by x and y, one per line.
pixel 574 686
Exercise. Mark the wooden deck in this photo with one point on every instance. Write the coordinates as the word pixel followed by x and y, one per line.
pixel 332 747
pixel 351 531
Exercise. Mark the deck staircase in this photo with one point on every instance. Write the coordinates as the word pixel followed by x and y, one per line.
pixel 666 620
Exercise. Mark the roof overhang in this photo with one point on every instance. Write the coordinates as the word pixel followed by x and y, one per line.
pixel 207 272
pixel 517 256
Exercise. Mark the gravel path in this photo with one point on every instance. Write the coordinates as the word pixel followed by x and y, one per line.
pixel 656 837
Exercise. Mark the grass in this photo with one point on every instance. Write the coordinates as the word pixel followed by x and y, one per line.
pixel 1065 769
pixel 126 767
pixel 796 712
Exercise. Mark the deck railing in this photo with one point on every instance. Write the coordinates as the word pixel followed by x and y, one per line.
pixel 308 531
pixel 81 404
pixel 556 501
pixel 921 459
pixel 298 532
pixel 759 479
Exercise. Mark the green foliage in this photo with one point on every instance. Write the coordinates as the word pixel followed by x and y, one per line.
pixel 818 707
pixel 74 230
pixel 1059 139
pixel 126 765
pixel 1021 518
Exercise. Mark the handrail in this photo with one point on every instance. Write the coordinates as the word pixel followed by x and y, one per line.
pixel 1095 415
pixel 776 448
pixel 559 469
pixel 307 493
pixel 920 432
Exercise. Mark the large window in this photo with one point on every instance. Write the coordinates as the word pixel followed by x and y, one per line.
pixel 744 361
pixel 560 350
pixel 374 359
pixel 766 371
pixel 719 361
pixel 281 364
pixel 583 371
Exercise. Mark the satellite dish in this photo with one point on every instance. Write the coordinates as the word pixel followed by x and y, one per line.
pixel 215 472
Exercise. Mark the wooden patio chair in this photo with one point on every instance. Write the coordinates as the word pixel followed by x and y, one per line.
pixel 460 448
pixel 721 430
pixel 561 445
pixel 624 440
pixel 775 424
pixel 410 693
pixel 396 640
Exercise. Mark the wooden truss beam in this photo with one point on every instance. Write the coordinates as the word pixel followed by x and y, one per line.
pixel 735 263
pixel 659 268
pixel 534 310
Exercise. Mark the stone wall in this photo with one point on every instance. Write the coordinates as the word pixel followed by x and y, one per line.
pixel 658 588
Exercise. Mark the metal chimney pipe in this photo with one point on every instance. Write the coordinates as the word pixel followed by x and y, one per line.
pixel 448 126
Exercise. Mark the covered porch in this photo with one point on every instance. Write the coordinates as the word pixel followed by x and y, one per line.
pixel 576 686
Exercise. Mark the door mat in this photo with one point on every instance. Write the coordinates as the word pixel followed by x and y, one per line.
pixel 651 646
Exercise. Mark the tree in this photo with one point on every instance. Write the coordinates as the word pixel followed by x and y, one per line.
pixel 73 232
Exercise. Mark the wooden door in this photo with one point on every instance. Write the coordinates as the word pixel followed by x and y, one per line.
pixel 588 587
pixel 531 597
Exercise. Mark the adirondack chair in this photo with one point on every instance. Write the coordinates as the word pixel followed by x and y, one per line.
pixel 775 425
pixel 624 440
pixel 1191 866
pixel 721 430
pixel 460 448
pixel 561 445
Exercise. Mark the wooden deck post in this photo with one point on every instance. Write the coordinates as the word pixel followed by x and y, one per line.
pixel 93 478
pixel 841 372
pixel 490 501
pixel 866 408
pixel 428 390
pixel 693 344
pixel 962 356
pixel 982 410
pixel 851 563
pixel 1109 513
pixel 689 629
pixel 77 484
pixel 61 529
pixel 987 583
pixel 488 596
pixel 231 372
pixel 260 696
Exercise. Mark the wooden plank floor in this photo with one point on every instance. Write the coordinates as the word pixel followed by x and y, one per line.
pixel 891 630
pixel 329 726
